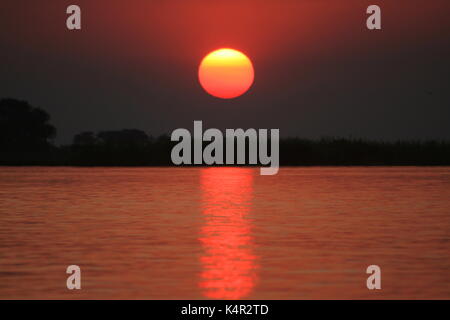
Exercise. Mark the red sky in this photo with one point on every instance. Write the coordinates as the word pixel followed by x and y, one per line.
pixel 318 69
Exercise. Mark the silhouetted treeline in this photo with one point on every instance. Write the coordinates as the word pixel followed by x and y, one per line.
pixel 25 133
pixel 26 139
pixel 346 152
pixel 128 147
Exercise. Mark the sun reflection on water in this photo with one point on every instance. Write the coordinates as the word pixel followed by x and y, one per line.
pixel 228 263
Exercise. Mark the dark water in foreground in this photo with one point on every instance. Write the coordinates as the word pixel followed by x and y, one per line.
pixel 188 233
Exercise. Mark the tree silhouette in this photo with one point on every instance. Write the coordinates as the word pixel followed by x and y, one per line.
pixel 26 136
pixel 85 139
pixel 127 138
pixel 24 127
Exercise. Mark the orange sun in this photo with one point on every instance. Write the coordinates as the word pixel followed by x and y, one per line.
pixel 226 73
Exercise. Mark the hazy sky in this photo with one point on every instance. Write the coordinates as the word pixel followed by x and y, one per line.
pixel 318 70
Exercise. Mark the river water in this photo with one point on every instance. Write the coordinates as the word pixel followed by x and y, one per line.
pixel 225 233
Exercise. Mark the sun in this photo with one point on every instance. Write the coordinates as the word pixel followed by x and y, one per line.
pixel 226 73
